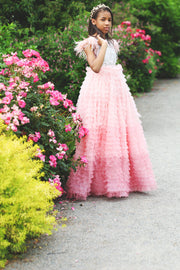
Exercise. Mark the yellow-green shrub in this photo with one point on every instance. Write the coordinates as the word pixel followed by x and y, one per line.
pixel 24 199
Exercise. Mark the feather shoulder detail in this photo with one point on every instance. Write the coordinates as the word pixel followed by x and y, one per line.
pixel 116 45
pixel 81 45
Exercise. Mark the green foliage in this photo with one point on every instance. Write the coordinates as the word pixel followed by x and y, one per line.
pixel 44 14
pixel 160 19
pixel 24 199
pixel 11 36
pixel 67 71
pixel 170 56
pixel 123 12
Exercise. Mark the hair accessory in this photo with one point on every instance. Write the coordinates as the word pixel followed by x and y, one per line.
pixel 95 9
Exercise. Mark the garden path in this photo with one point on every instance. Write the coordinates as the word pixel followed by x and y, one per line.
pixel 141 232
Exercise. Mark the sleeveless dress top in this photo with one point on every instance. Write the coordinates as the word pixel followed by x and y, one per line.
pixel 111 51
pixel 110 55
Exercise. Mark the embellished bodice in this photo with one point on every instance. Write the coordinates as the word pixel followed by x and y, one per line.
pixel 110 56
pixel 111 51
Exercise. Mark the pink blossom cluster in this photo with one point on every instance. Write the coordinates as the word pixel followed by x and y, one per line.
pixel 62 149
pixel 150 53
pixel 141 34
pixel 138 34
pixel 28 66
pixel 13 116
pixel 55 182
pixel 82 132
pixel 34 137
pixel 56 97
pixel 51 134
pixel 44 87
pixel 68 128
pixel 76 118
pixel 84 160
pixel 53 161
pixel 16 89
pixel 124 30
pixel 40 155
pixel 34 109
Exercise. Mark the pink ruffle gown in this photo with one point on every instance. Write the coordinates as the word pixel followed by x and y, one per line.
pixel 118 158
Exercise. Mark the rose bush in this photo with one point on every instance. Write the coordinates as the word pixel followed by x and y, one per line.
pixel 139 61
pixel 160 19
pixel 42 113
pixel 67 70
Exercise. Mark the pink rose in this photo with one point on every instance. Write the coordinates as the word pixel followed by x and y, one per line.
pixel 54 101
pixel 36 79
pixel 51 133
pixel 68 128
pixel 158 52
pixel 23 94
pixel 82 131
pixel 53 161
pixel 2 86
pixel 84 160
pixel 35 139
pixel 53 139
pixel 65 104
pixel 5 109
pixel 65 147
pixel 21 116
pixel 33 109
pixel 6 100
pixel 21 103
pixel 15 122
pixel 25 120
pixel 40 155
pixel 147 37
pixel 14 128
pixel 38 135
pixel 7 121
pixel 60 155
pixel 145 61
pixel 30 53
pixel 128 23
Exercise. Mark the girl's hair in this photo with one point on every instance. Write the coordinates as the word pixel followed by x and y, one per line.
pixel 92 29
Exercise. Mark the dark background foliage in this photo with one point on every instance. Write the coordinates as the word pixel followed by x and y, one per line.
pixel 51 27
pixel 42 14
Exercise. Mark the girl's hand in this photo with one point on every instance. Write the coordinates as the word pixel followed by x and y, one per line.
pixel 101 41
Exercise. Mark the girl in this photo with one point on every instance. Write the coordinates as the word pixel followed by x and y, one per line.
pixel 118 159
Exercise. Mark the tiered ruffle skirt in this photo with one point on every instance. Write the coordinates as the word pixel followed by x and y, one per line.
pixel 116 149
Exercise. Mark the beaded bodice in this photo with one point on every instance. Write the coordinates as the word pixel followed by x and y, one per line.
pixel 110 56
pixel 111 51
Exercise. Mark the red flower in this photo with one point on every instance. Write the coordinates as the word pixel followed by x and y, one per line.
pixel 145 61
pixel 128 23
pixel 158 52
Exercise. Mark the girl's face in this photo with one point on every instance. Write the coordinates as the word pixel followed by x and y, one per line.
pixel 103 21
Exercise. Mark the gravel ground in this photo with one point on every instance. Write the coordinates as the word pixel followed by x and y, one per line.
pixel 141 232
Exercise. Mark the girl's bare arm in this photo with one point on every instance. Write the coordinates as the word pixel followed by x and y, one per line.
pixel 96 62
